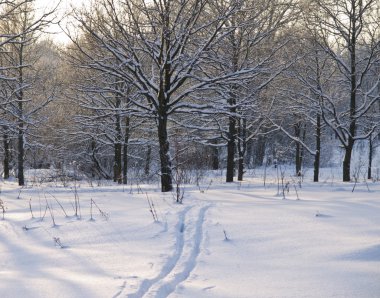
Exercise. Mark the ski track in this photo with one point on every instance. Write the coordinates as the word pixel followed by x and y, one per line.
pixel 122 287
pixel 172 261
pixel 186 261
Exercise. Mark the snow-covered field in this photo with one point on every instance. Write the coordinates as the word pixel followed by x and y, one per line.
pixel 235 240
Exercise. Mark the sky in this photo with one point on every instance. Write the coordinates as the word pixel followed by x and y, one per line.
pixel 63 7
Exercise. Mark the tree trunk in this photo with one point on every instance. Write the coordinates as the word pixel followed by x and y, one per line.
pixel 117 176
pixel 298 159
pixel 215 157
pixel 21 149
pixel 125 151
pixel 166 166
pixel 232 109
pixel 347 161
pixel 20 124
pixel 231 140
pixel 370 155
pixel 242 147
pixel 297 134
pixel 117 166
pixel 302 153
pixel 248 155
pixel 163 102
pixel 351 140
pixel 240 168
pixel 20 175
pixel 352 128
pixel 317 156
pixel 231 149
pixel 260 151
pixel 6 153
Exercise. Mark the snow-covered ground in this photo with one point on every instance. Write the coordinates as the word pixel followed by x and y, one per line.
pixel 231 240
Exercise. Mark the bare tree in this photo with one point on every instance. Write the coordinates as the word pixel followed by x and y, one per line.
pixel 20 30
pixel 347 31
pixel 163 49
pixel 256 43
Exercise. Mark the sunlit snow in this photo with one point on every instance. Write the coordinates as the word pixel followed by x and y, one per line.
pixel 230 240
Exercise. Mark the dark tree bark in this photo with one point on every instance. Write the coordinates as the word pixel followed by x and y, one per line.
pixel 117 166
pixel 231 147
pixel 20 124
pixel 21 152
pixel 352 127
pixel 260 151
pixel 6 152
pixel 163 97
pixel 248 155
pixel 215 157
pixel 302 154
pixel 232 100
pixel 240 167
pixel 317 156
pixel 297 134
pixel 166 165
pixel 347 162
pixel 370 155
pixel 242 146
pixel 125 150
pixel 117 176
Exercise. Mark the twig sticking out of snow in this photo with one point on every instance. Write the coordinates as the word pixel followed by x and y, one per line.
pixel 19 194
pixel 295 188
pixel 60 205
pixel 76 201
pixel 225 236
pixel 152 208
pixel 51 213
pixel 204 190
pixel 102 213
pixel 57 242
pixel 43 216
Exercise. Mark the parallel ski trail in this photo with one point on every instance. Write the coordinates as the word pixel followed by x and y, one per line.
pixel 121 290
pixel 193 234
pixel 172 261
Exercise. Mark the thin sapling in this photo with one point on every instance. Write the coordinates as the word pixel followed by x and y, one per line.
pixel 30 207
